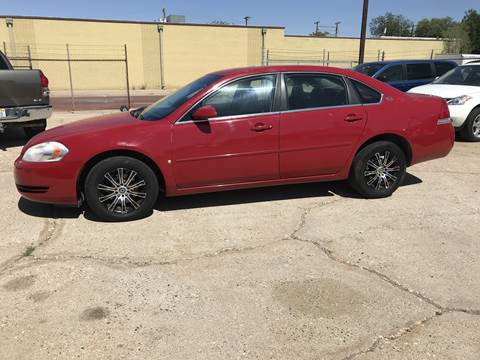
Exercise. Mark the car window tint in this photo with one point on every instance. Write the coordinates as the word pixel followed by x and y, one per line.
pixel 3 64
pixel 419 71
pixel 443 67
pixel 314 90
pixel 252 95
pixel 392 73
pixel 367 94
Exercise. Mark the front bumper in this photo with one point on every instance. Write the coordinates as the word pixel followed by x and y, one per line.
pixel 51 183
pixel 458 114
pixel 24 114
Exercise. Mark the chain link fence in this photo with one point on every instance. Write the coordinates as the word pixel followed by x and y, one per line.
pixel 342 59
pixel 65 65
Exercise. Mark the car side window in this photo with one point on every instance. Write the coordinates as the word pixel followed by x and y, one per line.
pixel 419 71
pixel 315 91
pixel 252 95
pixel 366 93
pixel 443 67
pixel 392 73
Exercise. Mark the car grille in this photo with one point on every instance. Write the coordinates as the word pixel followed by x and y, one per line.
pixel 32 189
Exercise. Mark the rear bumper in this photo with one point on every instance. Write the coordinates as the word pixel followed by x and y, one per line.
pixel 26 114
pixel 51 183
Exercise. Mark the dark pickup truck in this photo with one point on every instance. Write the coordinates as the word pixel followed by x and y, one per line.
pixel 24 98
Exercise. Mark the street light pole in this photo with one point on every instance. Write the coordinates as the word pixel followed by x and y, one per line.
pixel 316 26
pixel 363 32
pixel 336 27
pixel 246 18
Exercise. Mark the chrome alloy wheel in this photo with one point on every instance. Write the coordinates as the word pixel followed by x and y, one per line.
pixel 476 127
pixel 382 171
pixel 121 191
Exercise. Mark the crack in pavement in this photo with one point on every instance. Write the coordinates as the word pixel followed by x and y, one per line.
pixel 440 310
pixel 51 227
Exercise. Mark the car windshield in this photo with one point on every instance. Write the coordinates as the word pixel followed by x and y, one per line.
pixel 170 103
pixel 369 69
pixel 462 75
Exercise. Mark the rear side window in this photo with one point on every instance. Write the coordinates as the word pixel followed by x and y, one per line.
pixel 419 71
pixel 306 91
pixel 366 93
pixel 393 73
pixel 443 67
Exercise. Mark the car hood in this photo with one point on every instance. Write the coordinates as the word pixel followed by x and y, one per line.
pixel 446 91
pixel 91 126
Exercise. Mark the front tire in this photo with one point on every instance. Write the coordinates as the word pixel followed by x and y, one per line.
pixel 378 170
pixel 121 188
pixel 471 129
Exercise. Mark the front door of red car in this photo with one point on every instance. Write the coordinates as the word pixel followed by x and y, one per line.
pixel 239 145
pixel 319 129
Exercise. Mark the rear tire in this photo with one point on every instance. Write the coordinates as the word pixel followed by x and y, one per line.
pixel 378 170
pixel 37 129
pixel 121 188
pixel 471 128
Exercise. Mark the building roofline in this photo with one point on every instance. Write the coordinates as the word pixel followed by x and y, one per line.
pixel 136 22
pixel 369 38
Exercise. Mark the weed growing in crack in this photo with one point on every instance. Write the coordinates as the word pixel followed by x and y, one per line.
pixel 29 250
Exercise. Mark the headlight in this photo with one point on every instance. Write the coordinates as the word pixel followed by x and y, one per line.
pixel 46 152
pixel 459 100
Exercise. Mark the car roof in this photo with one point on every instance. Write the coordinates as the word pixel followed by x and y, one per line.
pixel 281 68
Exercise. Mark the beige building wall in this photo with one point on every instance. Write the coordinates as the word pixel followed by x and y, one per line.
pixel 188 51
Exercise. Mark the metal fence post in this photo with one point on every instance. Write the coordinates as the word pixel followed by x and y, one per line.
pixel 5 48
pixel 70 77
pixel 383 55
pixel 160 45
pixel 126 75
pixel 323 61
pixel 29 57
pixel 328 58
pixel 378 55
pixel 268 56
pixel 431 55
pixel 264 32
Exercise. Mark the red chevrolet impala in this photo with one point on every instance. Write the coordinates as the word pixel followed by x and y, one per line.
pixel 238 128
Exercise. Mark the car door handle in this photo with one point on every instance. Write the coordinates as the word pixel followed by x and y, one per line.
pixel 261 127
pixel 353 117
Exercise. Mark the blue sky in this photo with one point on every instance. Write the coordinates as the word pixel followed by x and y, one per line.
pixel 297 16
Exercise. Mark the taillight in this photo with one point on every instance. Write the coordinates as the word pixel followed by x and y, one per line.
pixel 43 80
pixel 444 112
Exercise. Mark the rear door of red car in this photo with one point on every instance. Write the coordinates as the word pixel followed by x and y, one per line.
pixel 320 127
pixel 239 145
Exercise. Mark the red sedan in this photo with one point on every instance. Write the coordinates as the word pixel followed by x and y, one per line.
pixel 238 128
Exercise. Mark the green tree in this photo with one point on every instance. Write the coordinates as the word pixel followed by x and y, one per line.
pixel 471 24
pixel 319 33
pixel 435 27
pixel 457 40
pixel 391 25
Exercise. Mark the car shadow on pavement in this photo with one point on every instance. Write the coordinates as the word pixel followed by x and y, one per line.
pixel 12 137
pixel 233 197
pixel 273 193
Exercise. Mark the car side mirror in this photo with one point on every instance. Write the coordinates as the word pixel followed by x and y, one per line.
pixel 204 113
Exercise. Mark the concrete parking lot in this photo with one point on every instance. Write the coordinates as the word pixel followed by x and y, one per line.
pixel 294 272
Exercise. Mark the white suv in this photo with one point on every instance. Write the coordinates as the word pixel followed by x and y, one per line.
pixel 460 87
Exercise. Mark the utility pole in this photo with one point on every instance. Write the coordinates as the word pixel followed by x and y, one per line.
pixel 336 28
pixel 363 32
pixel 246 18
pixel 317 23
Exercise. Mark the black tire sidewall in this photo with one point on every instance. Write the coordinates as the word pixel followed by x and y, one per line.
pixel 357 178
pixel 467 130
pixel 95 176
